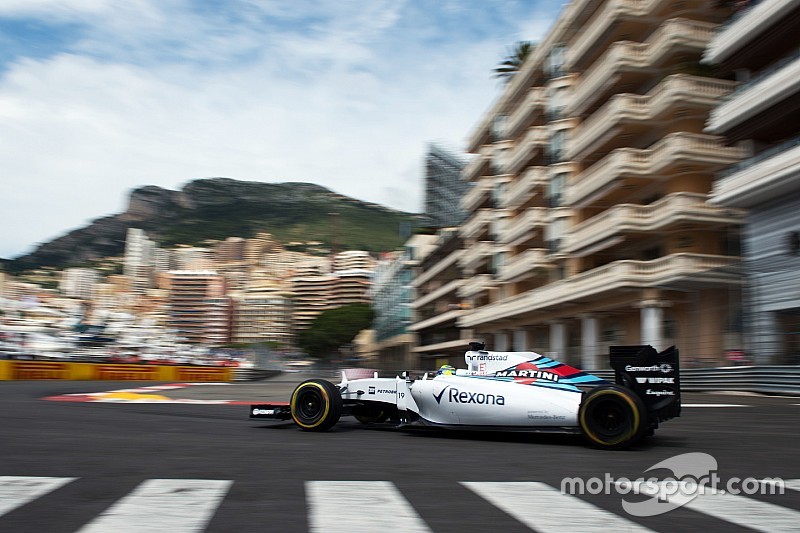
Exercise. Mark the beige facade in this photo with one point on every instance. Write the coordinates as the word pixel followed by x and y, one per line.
pixel 589 222
pixel 199 310
pixel 262 315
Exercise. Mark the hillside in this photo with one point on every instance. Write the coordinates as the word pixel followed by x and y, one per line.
pixel 217 208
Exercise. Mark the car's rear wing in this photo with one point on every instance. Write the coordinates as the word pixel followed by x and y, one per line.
pixel 653 376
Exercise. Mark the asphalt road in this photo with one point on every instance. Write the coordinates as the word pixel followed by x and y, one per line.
pixel 270 476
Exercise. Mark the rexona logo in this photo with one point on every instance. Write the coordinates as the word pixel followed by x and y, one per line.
pixel 538 374
pixel 456 396
pixel 655 380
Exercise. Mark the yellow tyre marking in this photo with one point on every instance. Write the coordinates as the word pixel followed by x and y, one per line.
pixel 294 404
pixel 636 421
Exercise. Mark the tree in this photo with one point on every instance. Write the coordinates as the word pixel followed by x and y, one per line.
pixel 334 328
pixel 514 60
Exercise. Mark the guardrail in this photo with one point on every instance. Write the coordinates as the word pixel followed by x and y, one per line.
pixel 768 379
pixel 38 370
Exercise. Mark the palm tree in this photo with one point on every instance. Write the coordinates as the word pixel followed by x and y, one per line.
pixel 514 60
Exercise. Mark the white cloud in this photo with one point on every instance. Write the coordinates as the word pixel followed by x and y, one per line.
pixel 344 95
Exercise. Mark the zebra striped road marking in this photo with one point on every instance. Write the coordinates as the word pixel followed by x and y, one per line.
pixel 535 504
pixel 174 505
pixel 344 506
pixel 16 491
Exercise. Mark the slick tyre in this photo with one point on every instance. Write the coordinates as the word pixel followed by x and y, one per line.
pixel 612 417
pixel 316 405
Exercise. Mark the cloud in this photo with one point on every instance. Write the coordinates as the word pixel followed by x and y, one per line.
pixel 140 92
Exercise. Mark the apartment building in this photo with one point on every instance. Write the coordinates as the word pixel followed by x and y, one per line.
pixel 589 219
pixel 444 188
pixel 139 261
pixel 79 282
pixel 263 314
pixel 760 48
pixel 198 307
pixel 439 287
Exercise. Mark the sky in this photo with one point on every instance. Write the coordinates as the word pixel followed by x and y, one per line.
pixel 98 97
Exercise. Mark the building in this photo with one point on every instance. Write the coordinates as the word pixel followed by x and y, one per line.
pixel 439 287
pixel 312 295
pixel 590 225
pixel 140 259
pixel 353 260
pixel 444 188
pixel 79 282
pixel 198 307
pixel 760 50
pixel 263 314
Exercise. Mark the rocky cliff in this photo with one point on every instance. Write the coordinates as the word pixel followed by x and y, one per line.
pixel 217 208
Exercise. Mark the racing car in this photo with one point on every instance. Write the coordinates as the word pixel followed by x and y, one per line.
pixel 503 391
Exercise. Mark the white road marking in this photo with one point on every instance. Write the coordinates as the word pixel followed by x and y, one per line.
pixel 16 491
pixel 360 506
pixel 174 505
pixel 544 508
pixel 738 509
pixel 713 405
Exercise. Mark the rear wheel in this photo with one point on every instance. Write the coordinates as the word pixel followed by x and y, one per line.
pixel 612 417
pixel 316 405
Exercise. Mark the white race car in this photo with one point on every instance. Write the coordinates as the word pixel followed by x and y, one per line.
pixel 503 391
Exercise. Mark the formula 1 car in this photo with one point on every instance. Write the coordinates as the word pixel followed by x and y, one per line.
pixel 503 391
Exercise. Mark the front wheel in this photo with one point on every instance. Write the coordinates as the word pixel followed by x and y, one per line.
pixel 316 405
pixel 612 417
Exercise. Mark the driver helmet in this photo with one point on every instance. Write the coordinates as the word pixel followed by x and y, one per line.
pixel 446 370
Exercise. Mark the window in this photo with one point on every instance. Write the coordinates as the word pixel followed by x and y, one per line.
pixel 556 60
pixel 555 190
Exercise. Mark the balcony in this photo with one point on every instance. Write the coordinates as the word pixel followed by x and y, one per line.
pixel 437 269
pixel 676 208
pixel 524 114
pixel 529 219
pixel 675 270
pixel 437 320
pixel 676 91
pixel 765 177
pixel 477 195
pixel 613 17
pixel 477 224
pixel 743 32
pixel 676 37
pixel 758 96
pixel 475 285
pixel 521 266
pixel 624 164
pixel 478 165
pixel 475 255
pixel 532 180
pixel 535 139
pixel 436 294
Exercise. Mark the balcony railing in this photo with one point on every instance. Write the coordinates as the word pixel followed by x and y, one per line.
pixel 477 165
pixel 676 207
pixel 533 103
pixel 602 23
pixel 476 195
pixel 475 284
pixel 766 176
pixel 523 265
pixel 670 270
pixel 672 35
pixel 530 218
pixel 536 138
pixel 475 254
pixel 436 294
pixel 534 178
pixel 757 96
pixel 678 88
pixel 631 162
pixel 477 223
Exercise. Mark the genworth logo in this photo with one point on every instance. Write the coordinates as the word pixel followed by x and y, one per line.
pixel 693 475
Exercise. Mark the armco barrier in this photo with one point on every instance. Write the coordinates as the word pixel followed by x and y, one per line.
pixel 773 379
pixel 18 370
